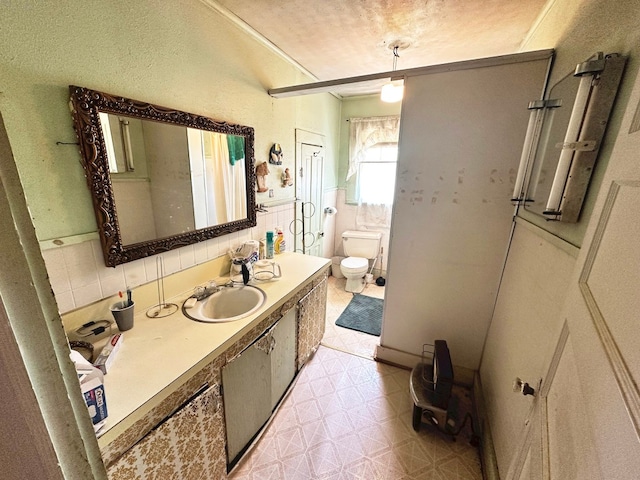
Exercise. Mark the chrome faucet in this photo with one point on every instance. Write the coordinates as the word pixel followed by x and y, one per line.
pixel 200 293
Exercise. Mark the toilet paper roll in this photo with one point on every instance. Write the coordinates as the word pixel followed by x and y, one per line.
pixel 330 210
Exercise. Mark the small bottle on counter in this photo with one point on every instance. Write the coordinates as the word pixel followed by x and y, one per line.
pixel 269 246
pixel 279 243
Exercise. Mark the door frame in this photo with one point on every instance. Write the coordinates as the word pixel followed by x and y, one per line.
pixel 42 364
pixel 304 137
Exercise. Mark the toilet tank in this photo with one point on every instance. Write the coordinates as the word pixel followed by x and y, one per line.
pixel 361 244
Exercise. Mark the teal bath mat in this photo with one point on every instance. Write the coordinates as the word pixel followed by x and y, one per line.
pixel 363 314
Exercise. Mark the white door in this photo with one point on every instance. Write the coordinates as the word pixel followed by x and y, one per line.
pixel 558 440
pixel 308 232
pixel 585 420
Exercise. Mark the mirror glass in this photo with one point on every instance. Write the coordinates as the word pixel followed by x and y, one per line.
pixel 161 178
pixel 556 120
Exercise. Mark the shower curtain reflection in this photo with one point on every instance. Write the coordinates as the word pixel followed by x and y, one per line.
pixel 213 170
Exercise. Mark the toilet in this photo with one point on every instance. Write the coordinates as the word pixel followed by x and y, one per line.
pixel 359 247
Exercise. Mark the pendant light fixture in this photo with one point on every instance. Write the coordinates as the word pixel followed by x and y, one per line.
pixel 392 92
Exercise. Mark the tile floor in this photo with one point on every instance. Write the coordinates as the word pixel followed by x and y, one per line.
pixel 348 417
pixel 343 339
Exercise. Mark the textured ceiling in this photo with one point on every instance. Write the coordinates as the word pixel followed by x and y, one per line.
pixel 344 38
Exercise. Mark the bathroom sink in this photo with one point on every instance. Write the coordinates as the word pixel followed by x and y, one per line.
pixel 227 304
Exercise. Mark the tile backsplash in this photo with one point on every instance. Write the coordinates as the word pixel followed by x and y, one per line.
pixel 79 276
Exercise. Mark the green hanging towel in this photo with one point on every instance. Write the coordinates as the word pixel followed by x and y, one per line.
pixel 236 148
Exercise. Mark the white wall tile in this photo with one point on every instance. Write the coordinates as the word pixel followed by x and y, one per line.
pixel 187 257
pixel 135 273
pixel 57 270
pixel 112 284
pixel 213 248
pixel 65 301
pixel 171 262
pixel 81 265
pixel 108 273
pixel 98 255
pixel 244 235
pixel 87 294
pixel 224 244
pixel 261 224
pixel 200 252
pixel 150 268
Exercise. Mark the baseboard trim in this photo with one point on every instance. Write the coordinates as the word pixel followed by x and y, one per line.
pixel 462 375
pixel 396 357
pixel 487 451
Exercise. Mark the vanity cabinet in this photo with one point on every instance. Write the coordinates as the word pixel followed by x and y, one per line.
pixel 255 381
pixel 188 445
pixel 195 433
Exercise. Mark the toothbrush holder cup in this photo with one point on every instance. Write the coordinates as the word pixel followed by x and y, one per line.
pixel 123 314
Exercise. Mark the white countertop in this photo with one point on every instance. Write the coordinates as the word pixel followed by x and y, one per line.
pixel 159 354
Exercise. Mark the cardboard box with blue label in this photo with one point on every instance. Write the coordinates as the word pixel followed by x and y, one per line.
pixel 92 387
pixel 94 397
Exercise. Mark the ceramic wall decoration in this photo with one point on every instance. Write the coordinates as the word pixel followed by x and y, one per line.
pixel 275 154
pixel 262 170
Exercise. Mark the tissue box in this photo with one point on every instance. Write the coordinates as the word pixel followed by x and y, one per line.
pixel 108 353
pixel 92 389
pixel 94 397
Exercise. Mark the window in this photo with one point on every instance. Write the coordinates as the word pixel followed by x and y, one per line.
pixel 377 174
pixel 373 151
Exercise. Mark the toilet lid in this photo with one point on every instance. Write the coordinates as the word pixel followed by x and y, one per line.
pixel 355 262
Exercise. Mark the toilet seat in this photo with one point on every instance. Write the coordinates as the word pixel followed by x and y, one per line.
pixel 354 269
pixel 354 264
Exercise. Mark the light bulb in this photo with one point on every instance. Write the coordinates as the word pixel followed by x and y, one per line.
pixel 392 92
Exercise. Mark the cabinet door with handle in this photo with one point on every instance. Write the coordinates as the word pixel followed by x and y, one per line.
pixel 188 445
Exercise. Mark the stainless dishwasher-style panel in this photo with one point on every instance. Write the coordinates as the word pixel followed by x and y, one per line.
pixel 246 392
pixel 283 356
pixel 255 381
